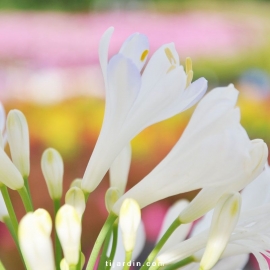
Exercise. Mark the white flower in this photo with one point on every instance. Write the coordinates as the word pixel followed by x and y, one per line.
pixel 120 251
pixel 53 170
pixel 251 235
pixel 129 220
pixel 214 152
pixel 35 242
pixel 75 197
pixel 224 219
pixel 119 170
pixel 68 228
pixel 135 101
pixel 3 209
pixel 9 174
pixel 18 139
pixel 111 196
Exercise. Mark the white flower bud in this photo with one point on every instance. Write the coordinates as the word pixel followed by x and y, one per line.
pixel 76 183
pixel 129 220
pixel 111 197
pixel 18 139
pixel 68 228
pixel 9 174
pixel 75 197
pixel 35 242
pixel 224 220
pixel 3 209
pixel 53 170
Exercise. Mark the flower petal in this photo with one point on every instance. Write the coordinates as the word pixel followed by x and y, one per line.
pixel 103 51
pixel 119 170
pixel 136 48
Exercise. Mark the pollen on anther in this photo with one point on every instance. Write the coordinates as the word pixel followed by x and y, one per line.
pixel 170 56
pixel 144 54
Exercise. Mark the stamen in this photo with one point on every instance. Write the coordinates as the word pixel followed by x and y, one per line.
pixel 189 71
pixel 189 78
pixel 188 65
pixel 170 56
pixel 144 54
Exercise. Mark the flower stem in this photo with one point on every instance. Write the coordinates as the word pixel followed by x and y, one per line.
pixel 10 208
pixel 127 260
pixel 114 243
pixel 8 223
pixel 26 199
pixel 93 257
pixel 57 245
pixel 161 243
pixel 181 263
pixel 103 257
pixel 26 184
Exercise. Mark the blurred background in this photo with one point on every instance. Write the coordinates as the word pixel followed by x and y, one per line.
pixel 49 70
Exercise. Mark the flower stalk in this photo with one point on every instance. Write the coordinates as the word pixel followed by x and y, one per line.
pixel 161 243
pixel 100 239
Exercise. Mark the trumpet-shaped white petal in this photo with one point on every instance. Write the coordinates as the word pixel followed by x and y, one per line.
pixel 35 242
pixel 3 209
pixel 209 196
pixel 133 102
pixel 18 139
pixel 181 232
pixel 53 170
pixel 129 220
pixel 111 197
pixel 75 197
pixel 120 251
pixel 213 151
pixel 9 174
pixel 225 217
pixel 68 228
pixel 119 170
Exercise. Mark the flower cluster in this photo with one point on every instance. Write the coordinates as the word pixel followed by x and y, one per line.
pixel 214 154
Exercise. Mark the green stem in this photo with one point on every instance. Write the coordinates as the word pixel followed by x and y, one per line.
pixel 93 257
pixel 114 243
pixel 10 208
pixel 26 184
pixel 8 222
pixel 127 260
pixel 78 266
pixel 86 195
pixel 57 245
pixel 161 243
pixel 103 257
pixel 26 199
pixel 72 267
pixel 179 264
pixel 2 266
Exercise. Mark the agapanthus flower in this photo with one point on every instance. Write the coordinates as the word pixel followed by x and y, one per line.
pixel 213 153
pixel 251 234
pixel 135 101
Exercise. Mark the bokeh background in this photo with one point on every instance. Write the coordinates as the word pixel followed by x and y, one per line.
pixel 49 70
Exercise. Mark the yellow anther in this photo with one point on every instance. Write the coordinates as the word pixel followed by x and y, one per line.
pixel 189 78
pixel 144 54
pixel 170 56
pixel 188 65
